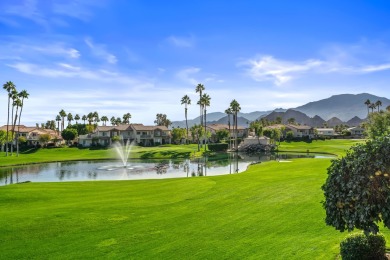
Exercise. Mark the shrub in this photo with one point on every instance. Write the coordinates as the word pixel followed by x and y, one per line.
pixel 360 246
pixel 218 147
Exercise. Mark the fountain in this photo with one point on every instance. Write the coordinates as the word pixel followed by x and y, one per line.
pixel 123 152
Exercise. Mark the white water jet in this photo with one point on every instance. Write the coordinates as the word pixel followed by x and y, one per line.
pixel 123 151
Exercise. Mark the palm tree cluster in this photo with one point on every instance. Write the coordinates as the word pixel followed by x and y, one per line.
pixel 17 99
pixel 235 108
pixel 91 117
pixel 372 106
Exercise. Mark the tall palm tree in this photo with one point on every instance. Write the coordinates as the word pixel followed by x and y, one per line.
pixel 205 100
pixel 113 120
pixel 14 97
pixel 126 118
pixel 84 118
pixel 378 104
pixel 23 95
pixel 8 86
pixel 235 106
pixel 372 106
pixel 77 118
pixel 17 102
pixel 199 88
pixel 368 103
pixel 90 118
pixel 96 118
pixel 70 118
pixel 104 119
pixel 58 119
pixel 229 112
pixel 186 101
pixel 62 115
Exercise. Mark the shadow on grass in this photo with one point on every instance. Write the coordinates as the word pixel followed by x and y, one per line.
pixel 29 151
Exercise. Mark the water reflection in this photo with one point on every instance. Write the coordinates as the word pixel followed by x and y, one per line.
pixel 230 163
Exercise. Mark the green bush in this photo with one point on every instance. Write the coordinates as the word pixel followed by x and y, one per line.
pixel 218 147
pixel 360 246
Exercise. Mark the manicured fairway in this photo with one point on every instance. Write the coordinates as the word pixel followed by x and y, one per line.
pixel 272 211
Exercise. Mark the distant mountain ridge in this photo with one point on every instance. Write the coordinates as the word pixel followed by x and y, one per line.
pixel 346 109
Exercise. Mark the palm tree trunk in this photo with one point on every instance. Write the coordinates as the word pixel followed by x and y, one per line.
pixel 236 133
pixel 205 133
pixel 17 143
pixel 12 119
pixel 6 141
pixel 186 125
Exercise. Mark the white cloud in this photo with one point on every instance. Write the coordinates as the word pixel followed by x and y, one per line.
pixel 187 75
pixel 69 71
pixel 182 42
pixel 267 68
pixel 99 50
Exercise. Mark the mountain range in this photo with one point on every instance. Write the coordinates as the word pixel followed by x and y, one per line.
pixel 346 109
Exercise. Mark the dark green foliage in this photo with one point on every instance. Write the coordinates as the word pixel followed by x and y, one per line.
pixel 357 190
pixel 218 147
pixel 80 128
pixel 360 246
pixel 69 134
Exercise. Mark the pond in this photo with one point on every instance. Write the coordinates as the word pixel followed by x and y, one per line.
pixel 135 169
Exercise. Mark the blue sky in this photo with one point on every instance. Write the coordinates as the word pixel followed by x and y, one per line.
pixel 142 57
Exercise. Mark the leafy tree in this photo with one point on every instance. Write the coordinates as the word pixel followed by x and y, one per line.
pixel 3 138
pixel 186 101
pixel 196 133
pixel 278 120
pixel 69 134
pixel 162 120
pixel 44 139
pixel 222 134
pixel 115 138
pixel 378 124
pixel 289 135
pixel 178 134
pixel 357 190
pixel 81 129
pixel 291 121
pixel 268 132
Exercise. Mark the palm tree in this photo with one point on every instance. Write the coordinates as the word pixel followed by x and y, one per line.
pixel 372 106
pixel 368 103
pixel 23 95
pixel 84 118
pixel 126 118
pixel 378 104
pixel 205 101
pixel 104 119
pixel 58 119
pixel 90 118
pixel 235 106
pixel 199 88
pixel 14 97
pixel 96 118
pixel 113 120
pixel 70 118
pixel 17 102
pixel 77 118
pixel 186 101
pixel 8 86
pixel 229 112
pixel 62 115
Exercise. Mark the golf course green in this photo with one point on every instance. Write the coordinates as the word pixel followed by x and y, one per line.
pixel 271 211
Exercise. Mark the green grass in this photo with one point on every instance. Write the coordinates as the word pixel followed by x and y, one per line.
pixel 333 146
pixel 271 211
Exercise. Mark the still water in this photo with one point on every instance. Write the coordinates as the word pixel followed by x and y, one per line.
pixel 135 169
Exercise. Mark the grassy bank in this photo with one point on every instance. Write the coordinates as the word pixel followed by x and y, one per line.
pixel 272 211
pixel 337 147
pixel 71 154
